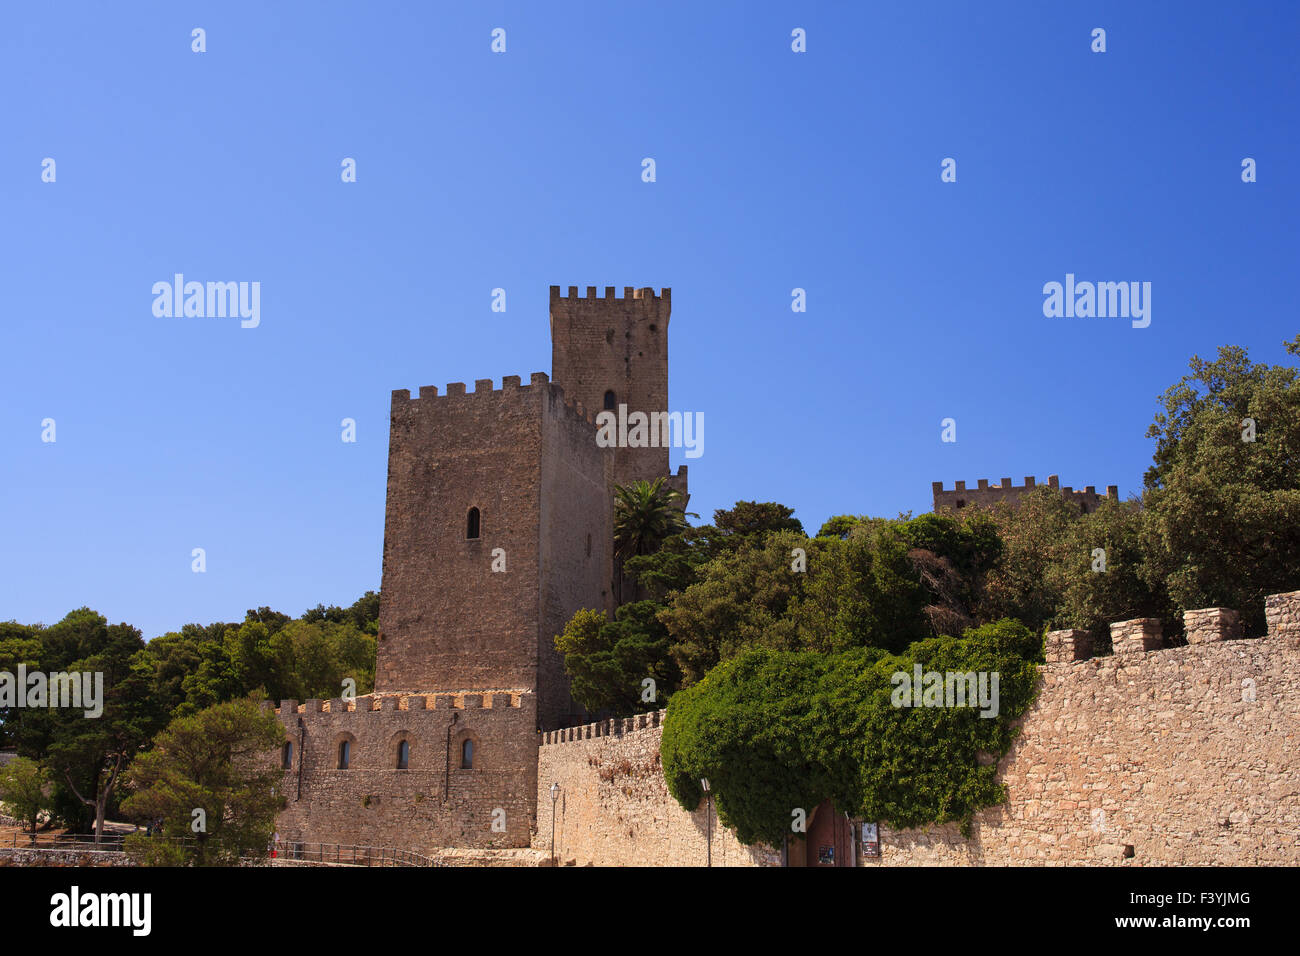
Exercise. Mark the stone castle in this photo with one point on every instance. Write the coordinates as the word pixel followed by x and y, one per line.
pixel 498 527
pixel 985 496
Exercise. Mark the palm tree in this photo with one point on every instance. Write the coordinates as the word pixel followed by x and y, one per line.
pixel 645 513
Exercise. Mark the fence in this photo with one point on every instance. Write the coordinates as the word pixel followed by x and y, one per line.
pixel 340 854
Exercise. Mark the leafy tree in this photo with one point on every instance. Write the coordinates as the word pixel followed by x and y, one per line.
pixel 748 519
pixel 1222 514
pixel 1029 582
pixel 1094 598
pixel 25 790
pixel 214 761
pixel 607 661
pixel 88 754
pixel 774 731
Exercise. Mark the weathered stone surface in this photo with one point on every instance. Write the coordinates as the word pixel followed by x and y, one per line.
pixel 1209 624
pixel 614 808
pixel 1136 636
pixel 1068 645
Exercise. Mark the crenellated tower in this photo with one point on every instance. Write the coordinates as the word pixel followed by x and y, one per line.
pixel 608 351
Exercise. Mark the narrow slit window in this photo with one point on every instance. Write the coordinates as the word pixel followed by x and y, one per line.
pixel 472 524
pixel 287 759
pixel 467 755
pixel 345 754
pixel 403 755
pixel 611 401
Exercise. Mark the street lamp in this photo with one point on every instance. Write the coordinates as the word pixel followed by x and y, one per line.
pixel 708 817
pixel 555 795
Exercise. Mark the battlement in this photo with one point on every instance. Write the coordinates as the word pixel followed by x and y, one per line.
pixel 1143 635
pixel 391 703
pixel 614 727
pixel 986 494
pixel 483 388
pixel 629 292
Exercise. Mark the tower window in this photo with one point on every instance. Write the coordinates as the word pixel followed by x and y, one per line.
pixel 472 523
pixel 345 754
pixel 403 755
pixel 588 545
pixel 611 401
pixel 467 755
pixel 961 503
pixel 287 755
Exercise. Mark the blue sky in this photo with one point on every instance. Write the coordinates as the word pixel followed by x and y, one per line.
pixel 520 170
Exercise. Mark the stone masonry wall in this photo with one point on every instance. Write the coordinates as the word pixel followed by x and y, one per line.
pixel 614 808
pixel 433 803
pixel 620 344
pixel 986 495
pixel 1180 756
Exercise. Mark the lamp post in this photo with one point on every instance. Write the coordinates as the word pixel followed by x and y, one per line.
pixel 555 795
pixel 708 817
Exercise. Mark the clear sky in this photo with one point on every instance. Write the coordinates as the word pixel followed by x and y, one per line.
pixel 476 170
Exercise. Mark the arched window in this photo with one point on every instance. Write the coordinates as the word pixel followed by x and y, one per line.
pixel 287 755
pixel 403 755
pixel 467 755
pixel 472 523
pixel 611 401
pixel 345 754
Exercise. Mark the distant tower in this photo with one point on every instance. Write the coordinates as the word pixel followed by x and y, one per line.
pixel 612 351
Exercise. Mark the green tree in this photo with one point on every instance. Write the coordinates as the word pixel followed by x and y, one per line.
pixel 25 790
pixel 214 761
pixel 774 731
pixel 608 661
pixel 1221 512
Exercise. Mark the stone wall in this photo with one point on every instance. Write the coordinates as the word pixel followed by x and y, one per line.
pixel 432 803
pixel 618 344
pixel 614 808
pixel 1177 756
pixel 986 495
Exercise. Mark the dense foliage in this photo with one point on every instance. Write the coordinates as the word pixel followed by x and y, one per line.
pixel 776 732
pixel 177 674
pixel 207 788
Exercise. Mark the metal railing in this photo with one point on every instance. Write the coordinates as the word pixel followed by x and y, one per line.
pixel 337 854
pixel 343 854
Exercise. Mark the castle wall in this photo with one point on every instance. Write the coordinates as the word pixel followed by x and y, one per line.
pixel 432 804
pixel 614 807
pixel 619 344
pixel 986 495
pixel 447 620
pixel 1188 755
pixel 576 559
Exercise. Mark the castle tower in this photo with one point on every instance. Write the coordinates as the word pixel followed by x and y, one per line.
pixel 498 528
pixel 612 351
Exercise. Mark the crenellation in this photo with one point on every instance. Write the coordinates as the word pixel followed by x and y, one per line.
pixel 987 494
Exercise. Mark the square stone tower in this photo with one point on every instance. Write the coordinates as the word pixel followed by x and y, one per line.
pixel 497 529
pixel 612 351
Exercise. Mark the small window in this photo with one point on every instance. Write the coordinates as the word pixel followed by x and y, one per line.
pixel 961 503
pixel 472 524
pixel 611 401
pixel 286 760
pixel 467 755
pixel 403 755
pixel 345 754
pixel 588 545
